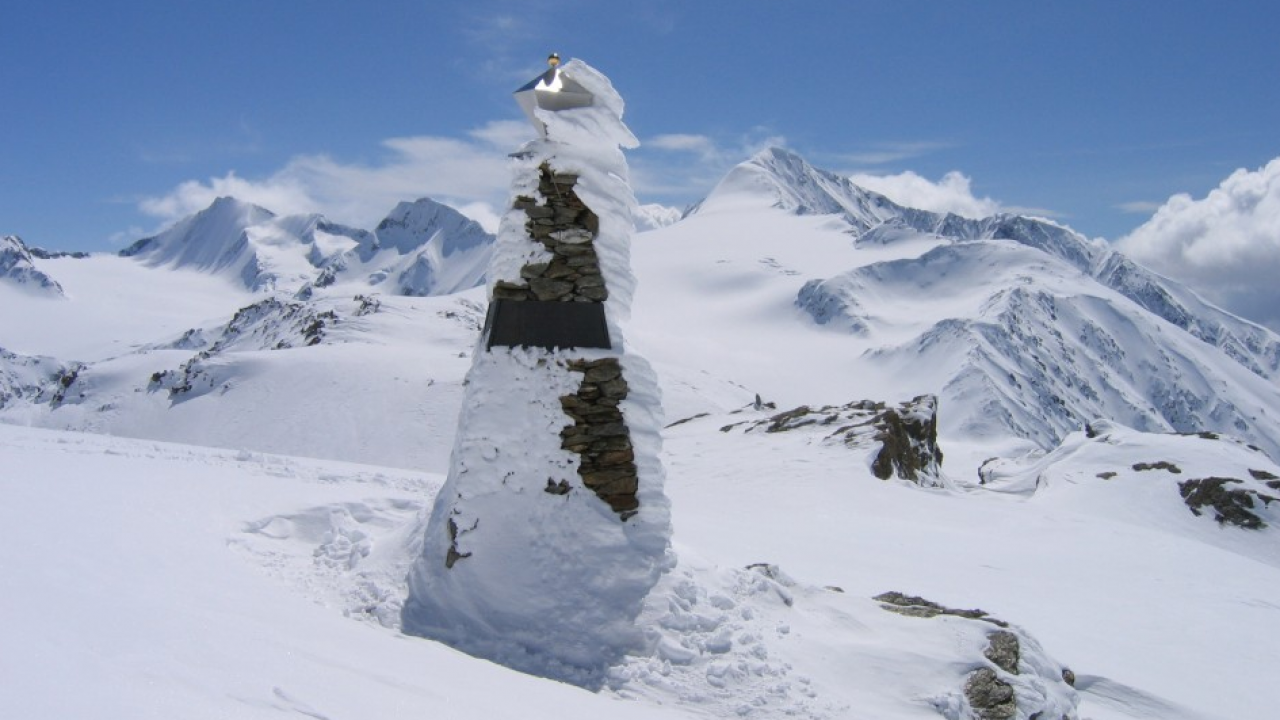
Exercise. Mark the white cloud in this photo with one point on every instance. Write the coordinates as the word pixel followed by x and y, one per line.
pixel 682 142
pixel 471 175
pixel 1226 245
pixel 953 193
pixel 505 134
pixel 681 167
pixel 1139 207
pixel 882 153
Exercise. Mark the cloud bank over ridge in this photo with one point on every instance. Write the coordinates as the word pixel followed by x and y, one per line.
pixel 470 174
pixel 1225 245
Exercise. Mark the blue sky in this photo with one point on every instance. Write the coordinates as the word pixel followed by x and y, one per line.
pixel 115 118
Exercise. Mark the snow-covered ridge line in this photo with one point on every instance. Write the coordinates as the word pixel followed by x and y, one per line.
pixel 798 187
pixel 420 248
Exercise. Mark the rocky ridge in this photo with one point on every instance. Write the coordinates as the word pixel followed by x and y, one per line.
pixel 271 324
pixel 906 435
pixel 802 189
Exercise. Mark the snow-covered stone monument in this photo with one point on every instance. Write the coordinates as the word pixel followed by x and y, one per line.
pixel 553 526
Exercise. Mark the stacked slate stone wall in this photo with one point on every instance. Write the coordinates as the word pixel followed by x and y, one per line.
pixel 567 228
pixel 600 436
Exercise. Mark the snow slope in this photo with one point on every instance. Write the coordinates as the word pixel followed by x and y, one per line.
pixel 156 580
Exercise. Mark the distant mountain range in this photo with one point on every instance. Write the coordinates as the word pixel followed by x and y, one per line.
pixel 1021 326
pixel 1039 329
pixel 421 248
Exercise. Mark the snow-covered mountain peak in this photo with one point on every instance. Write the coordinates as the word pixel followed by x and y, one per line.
pixel 785 180
pixel 203 237
pixel 780 178
pixel 427 248
pixel 412 225
pixel 17 268
pixel 213 240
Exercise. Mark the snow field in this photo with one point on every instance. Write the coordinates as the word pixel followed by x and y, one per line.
pixel 142 587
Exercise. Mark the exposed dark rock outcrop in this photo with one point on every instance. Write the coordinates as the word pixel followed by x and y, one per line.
pixel 909 441
pixel 43 254
pixel 915 606
pixel 907 434
pixel 991 691
pixel 64 384
pixel 1161 465
pixel 36 379
pixel 990 697
pixel 1230 505
pixel 271 324
pixel 1004 650
pixel 453 555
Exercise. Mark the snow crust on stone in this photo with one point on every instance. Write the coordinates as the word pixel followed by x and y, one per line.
pixel 587 142
pixel 548 583
pixel 556 589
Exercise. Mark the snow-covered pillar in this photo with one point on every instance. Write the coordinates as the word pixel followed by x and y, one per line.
pixel 553 525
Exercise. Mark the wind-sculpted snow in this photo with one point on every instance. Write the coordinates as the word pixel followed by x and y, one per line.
pixel 1204 485
pixel 549 533
pixel 17 268
pixel 561 568
pixel 743 642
